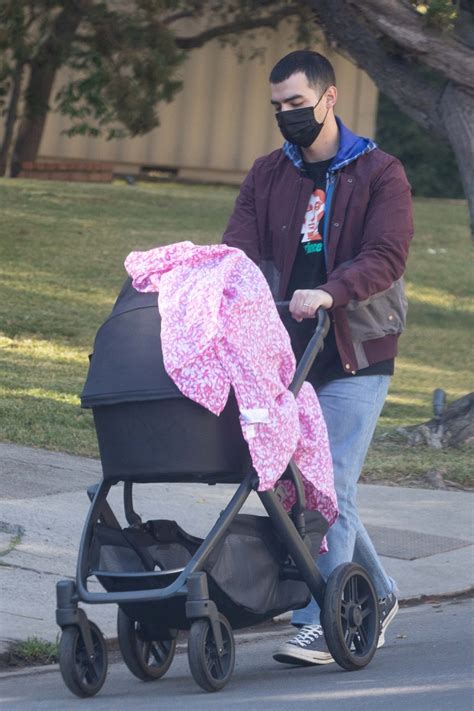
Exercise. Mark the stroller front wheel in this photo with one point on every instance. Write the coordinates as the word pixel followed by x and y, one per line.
pixel 350 616
pixel 210 671
pixel 84 676
pixel 147 660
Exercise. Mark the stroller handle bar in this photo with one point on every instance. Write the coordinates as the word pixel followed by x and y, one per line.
pixel 313 348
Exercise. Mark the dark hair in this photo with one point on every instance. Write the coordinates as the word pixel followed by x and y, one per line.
pixel 318 70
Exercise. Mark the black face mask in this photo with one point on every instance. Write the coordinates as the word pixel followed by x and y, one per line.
pixel 299 126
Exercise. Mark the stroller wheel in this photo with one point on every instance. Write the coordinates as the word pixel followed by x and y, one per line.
pixel 82 675
pixel 146 660
pixel 350 616
pixel 209 670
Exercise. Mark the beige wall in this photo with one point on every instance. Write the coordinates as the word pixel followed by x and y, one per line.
pixel 221 120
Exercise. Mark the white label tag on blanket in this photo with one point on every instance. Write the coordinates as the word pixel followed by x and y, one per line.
pixel 250 431
pixel 255 416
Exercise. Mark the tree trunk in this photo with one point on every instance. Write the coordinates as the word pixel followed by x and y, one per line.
pixel 393 72
pixel 401 74
pixel 44 66
pixel 457 112
pixel 32 125
pixel 11 117
pixel 454 428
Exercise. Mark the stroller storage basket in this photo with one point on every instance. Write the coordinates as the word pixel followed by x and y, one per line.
pixel 244 570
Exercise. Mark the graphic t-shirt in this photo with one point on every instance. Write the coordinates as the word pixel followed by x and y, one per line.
pixel 309 272
pixel 309 269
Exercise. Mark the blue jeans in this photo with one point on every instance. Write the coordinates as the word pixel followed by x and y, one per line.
pixel 351 408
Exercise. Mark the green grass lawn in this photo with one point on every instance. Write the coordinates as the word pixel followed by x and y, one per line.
pixel 61 260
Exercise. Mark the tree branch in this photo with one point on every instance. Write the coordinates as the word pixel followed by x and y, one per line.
pixel 237 26
pixel 32 18
pixel 397 21
pixel 394 73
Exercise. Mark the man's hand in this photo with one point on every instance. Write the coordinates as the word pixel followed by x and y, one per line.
pixel 306 302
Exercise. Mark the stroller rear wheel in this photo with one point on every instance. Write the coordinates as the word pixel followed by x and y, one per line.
pixel 81 674
pixel 350 616
pixel 210 671
pixel 146 660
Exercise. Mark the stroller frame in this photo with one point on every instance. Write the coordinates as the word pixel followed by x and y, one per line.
pixel 191 582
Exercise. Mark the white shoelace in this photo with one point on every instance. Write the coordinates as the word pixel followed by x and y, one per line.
pixel 308 634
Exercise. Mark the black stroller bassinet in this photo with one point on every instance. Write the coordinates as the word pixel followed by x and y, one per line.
pixel 137 407
pixel 247 570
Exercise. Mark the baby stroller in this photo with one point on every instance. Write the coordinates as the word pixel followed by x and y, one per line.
pixel 248 569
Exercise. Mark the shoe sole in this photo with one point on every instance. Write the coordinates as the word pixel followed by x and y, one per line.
pixel 386 623
pixel 301 657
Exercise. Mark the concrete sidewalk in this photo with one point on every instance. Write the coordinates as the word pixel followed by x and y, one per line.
pixel 425 537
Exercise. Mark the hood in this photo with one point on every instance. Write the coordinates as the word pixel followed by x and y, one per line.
pixel 351 147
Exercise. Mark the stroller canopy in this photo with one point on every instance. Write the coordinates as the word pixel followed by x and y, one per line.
pixel 127 363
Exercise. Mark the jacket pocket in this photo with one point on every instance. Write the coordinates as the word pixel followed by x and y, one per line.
pixel 380 315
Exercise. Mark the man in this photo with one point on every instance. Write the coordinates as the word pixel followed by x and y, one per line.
pixel 328 220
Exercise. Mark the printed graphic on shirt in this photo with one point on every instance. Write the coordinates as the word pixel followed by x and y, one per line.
pixel 311 231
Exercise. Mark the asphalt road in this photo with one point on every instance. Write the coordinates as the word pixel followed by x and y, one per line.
pixel 426 664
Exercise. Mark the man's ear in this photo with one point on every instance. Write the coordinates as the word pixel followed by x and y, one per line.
pixel 331 97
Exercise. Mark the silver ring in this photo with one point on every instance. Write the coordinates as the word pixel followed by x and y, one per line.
pixel 306 304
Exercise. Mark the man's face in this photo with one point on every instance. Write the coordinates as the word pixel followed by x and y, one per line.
pixel 295 93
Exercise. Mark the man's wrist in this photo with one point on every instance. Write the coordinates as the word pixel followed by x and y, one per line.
pixel 327 300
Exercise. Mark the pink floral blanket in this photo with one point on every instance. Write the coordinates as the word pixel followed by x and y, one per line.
pixel 220 328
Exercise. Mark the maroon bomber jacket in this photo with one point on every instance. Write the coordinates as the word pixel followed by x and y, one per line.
pixel 369 227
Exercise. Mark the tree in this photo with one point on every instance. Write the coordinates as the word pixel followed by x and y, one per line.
pixel 126 54
pixel 14 53
pixel 421 55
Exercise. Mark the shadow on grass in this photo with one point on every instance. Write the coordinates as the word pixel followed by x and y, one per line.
pixel 49 424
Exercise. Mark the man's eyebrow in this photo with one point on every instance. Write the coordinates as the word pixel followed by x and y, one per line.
pixel 285 101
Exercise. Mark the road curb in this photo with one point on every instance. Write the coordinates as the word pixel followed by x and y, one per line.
pixel 113 646
pixel 269 629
